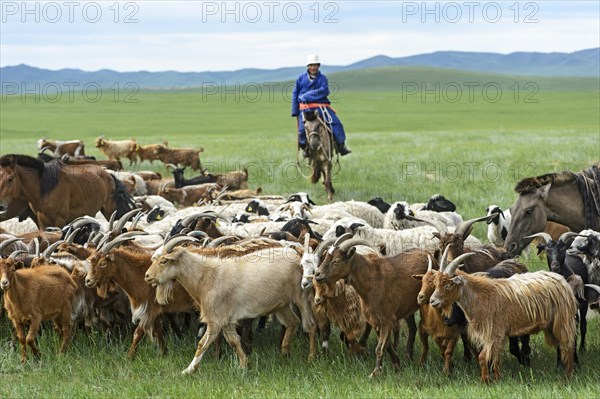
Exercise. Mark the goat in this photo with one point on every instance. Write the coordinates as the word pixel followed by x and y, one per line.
pixel 234 180
pixel 189 195
pixel 126 267
pixel 559 261
pixel 148 152
pixel 400 217
pixel 587 246
pixel 179 156
pixel 74 148
pixel 498 224
pixel 181 181
pixel 343 307
pixel 115 149
pixel 34 295
pixel 522 304
pixel 384 283
pixel 232 288
pixel 437 203
pixel 105 163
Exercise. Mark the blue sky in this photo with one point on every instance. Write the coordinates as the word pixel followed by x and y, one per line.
pixel 218 35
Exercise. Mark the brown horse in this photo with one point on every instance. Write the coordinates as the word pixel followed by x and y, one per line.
pixel 571 199
pixel 58 193
pixel 320 146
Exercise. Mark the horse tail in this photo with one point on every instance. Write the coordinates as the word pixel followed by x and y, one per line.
pixel 123 200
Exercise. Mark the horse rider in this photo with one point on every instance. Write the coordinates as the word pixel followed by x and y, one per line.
pixel 310 92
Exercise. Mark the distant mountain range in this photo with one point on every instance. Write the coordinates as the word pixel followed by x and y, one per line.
pixel 584 63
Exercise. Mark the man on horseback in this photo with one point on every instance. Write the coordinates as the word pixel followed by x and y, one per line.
pixel 310 92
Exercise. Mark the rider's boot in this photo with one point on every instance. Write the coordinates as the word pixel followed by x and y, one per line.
pixel 304 148
pixel 342 149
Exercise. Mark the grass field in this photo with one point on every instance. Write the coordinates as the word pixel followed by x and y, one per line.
pixel 405 147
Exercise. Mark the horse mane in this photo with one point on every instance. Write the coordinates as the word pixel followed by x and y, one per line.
pixel 49 173
pixel 530 184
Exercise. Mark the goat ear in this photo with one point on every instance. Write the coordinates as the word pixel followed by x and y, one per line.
pixel 458 280
pixel 110 257
pixel 437 235
pixel 418 276
pixel 19 264
pixel 350 252
pixel 541 248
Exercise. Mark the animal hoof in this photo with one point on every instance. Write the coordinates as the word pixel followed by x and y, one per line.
pixel 375 373
pixel 187 371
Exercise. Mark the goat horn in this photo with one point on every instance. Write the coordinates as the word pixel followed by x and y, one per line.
pixel 16 253
pixel 323 246
pixel 7 242
pixel 306 242
pixel 103 240
pixel 97 238
pixel 112 220
pixel 567 235
pixel 136 219
pixel 176 241
pixel 451 269
pixel 218 241
pixel 92 235
pixel 429 263
pixel 111 244
pixel 134 234
pixel 444 258
pixel 124 219
pixel 83 221
pixel 36 242
pixel 192 218
pixel 50 250
pixel 464 228
pixel 170 165
pixel 197 234
pixel 346 245
pixel 71 236
pixel 543 235
pixel 342 238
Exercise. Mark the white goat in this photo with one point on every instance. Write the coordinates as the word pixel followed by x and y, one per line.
pixel 498 226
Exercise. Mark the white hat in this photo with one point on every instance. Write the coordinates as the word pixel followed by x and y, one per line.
pixel 313 59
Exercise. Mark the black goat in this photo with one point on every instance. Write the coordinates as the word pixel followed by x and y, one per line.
pixel 181 181
pixel 561 262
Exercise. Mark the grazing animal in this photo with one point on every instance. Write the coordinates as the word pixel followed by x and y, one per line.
pixel 320 150
pixel 179 156
pixel 181 181
pixel 34 295
pixel 567 198
pixel 385 285
pixel 74 148
pixel 115 149
pixel 148 152
pixel 587 246
pixel 522 304
pixel 233 288
pixel 59 193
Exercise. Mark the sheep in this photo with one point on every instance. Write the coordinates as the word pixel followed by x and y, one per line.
pixel 358 209
pixel 400 217
pixel 587 246
pixel 437 203
pixel 565 264
pixel 393 241
pixel 74 148
pixel 34 295
pixel 522 304
pixel 179 156
pixel 229 289
pixel 384 283
pixel 126 267
pixel 115 149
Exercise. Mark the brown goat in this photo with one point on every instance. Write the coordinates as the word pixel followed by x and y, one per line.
pixel 148 152
pixel 344 307
pixel 499 308
pixel 34 295
pixel 235 180
pixel 126 267
pixel 385 285
pixel 179 156
pixel 74 148
pixel 189 195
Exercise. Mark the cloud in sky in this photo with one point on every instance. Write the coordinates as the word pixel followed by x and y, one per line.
pixel 216 35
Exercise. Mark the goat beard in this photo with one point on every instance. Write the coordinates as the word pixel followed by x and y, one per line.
pixel 163 292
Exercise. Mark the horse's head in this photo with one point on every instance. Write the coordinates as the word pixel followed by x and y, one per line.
pixel 314 128
pixel 528 217
pixel 10 184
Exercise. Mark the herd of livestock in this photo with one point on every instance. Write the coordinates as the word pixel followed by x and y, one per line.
pixel 161 250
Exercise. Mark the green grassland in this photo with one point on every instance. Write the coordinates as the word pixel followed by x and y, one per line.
pixel 405 147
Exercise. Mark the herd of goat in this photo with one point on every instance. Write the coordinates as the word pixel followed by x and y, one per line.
pixel 354 265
